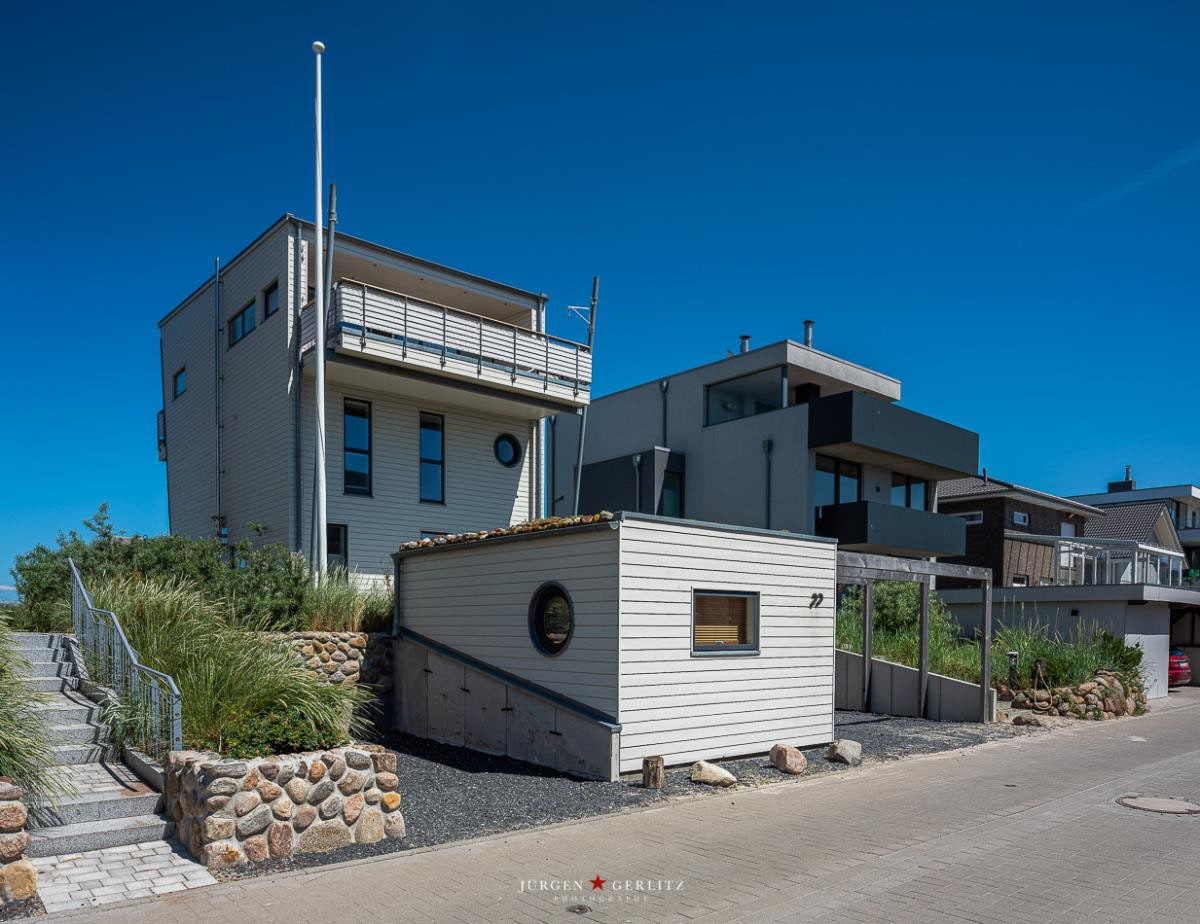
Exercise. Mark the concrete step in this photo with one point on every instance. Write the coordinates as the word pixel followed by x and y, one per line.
pixel 68 709
pixel 79 753
pixel 52 684
pixel 106 805
pixel 95 835
pixel 46 655
pixel 40 670
pixel 77 732
pixel 35 641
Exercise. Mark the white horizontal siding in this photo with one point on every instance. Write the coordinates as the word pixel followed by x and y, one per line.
pixel 476 600
pixel 683 707
pixel 480 492
pixel 254 402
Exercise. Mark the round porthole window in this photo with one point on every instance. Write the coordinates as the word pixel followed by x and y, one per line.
pixel 551 619
pixel 508 450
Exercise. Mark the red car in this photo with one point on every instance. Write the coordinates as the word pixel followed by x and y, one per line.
pixel 1179 671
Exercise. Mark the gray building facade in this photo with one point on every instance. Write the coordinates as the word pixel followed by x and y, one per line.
pixel 782 437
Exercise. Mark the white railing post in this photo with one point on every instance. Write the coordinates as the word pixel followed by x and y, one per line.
pixel 443 336
pixel 479 358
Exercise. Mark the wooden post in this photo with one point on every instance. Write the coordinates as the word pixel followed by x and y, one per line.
pixel 868 617
pixel 654 773
pixel 985 655
pixel 923 659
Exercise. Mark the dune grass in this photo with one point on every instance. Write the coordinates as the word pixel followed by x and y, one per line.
pixel 243 693
pixel 340 601
pixel 24 745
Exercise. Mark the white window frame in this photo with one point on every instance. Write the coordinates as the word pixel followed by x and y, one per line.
pixel 972 517
pixel 1020 518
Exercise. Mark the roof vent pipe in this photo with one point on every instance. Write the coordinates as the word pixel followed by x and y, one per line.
pixel 1129 473
pixel 808 326
pixel 985 477
pixel 745 347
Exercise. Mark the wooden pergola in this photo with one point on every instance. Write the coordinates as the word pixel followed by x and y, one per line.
pixel 865 570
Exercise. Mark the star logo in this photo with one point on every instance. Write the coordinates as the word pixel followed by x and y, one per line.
pixel 598 884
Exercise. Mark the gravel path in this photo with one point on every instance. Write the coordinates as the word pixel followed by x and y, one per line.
pixel 452 794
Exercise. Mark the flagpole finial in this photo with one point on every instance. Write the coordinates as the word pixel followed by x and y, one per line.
pixel 318 47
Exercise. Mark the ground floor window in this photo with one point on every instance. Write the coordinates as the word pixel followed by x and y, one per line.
pixel 724 622
pixel 337 547
pixel 670 501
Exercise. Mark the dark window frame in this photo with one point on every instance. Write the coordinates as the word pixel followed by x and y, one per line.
pixel 518 451
pixel 837 479
pixel 423 461
pixel 176 391
pixel 537 607
pixel 369 452
pixel 345 531
pixel 232 324
pixel 909 481
pixel 682 494
pixel 272 289
pixel 752 648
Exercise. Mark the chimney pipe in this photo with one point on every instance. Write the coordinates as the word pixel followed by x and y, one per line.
pixel 808 326
pixel 745 347
pixel 985 477
pixel 1129 473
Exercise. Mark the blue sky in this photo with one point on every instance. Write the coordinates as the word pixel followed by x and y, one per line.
pixel 997 205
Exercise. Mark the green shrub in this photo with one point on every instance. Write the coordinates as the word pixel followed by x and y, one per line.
pixel 896 637
pixel 234 682
pixel 24 748
pixel 265 587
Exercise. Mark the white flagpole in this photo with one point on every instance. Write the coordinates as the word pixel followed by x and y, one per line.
pixel 319 500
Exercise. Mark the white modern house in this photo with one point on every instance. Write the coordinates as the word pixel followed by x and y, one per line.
pixel 438 383
pixel 589 646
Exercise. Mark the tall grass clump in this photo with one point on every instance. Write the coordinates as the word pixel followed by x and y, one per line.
pixel 244 694
pixel 895 636
pixel 340 602
pixel 24 746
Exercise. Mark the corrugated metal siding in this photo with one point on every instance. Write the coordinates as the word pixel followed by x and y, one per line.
pixel 480 492
pixel 685 707
pixel 477 600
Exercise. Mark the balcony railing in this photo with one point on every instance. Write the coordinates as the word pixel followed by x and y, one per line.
pixel 1110 561
pixel 401 329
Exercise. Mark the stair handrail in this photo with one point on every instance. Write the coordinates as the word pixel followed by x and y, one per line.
pixel 151 711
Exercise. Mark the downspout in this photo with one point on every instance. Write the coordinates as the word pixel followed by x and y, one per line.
pixel 768 445
pixel 219 520
pixel 552 462
pixel 297 390
pixel 637 482
pixel 663 385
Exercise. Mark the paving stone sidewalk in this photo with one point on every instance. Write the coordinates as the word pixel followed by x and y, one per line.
pixel 1021 830
pixel 114 874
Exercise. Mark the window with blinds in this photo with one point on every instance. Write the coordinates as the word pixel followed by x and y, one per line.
pixel 724 622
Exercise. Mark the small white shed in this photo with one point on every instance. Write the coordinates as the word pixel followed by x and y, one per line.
pixel 588 643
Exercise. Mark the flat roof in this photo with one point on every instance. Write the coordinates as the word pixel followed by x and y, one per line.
pixel 1068 593
pixel 554 526
pixel 342 236
pixel 790 349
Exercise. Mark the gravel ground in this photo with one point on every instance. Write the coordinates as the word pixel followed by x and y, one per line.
pixel 452 794
pixel 17 910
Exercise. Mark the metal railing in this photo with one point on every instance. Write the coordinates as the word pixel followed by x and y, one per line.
pixel 451 337
pixel 150 708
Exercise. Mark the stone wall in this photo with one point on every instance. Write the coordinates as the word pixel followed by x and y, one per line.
pixel 346 657
pixel 230 812
pixel 1106 696
pixel 18 878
